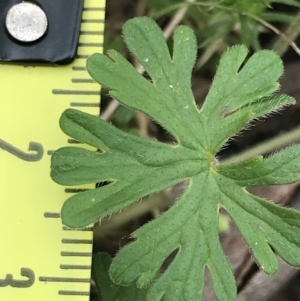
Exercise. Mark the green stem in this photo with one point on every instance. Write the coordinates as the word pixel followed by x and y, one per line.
pixel 267 146
pixel 280 46
pixel 284 36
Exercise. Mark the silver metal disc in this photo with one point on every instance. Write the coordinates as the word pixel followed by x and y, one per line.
pixel 26 22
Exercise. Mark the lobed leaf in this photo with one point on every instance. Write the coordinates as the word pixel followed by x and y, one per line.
pixel 280 168
pixel 191 227
pixel 171 78
pixel 240 93
pixel 135 167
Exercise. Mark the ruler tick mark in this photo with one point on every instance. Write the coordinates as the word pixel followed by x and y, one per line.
pixel 77 241
pixel 75 267
pixel 50 152
pixel 73 141
pixel 92 21
pixel 74 92
pixel 73 293
pixel 51 215
pixel 83 81
pixel 82 56
pixel 63 279
pixel 90 44
pixel 91 32
pixel 78 68
pixel 94 9
pixel 76 254
pixel 85 104
pixel 84 229
pixel 75 190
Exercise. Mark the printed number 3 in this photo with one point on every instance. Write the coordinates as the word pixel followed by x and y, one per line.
pixel 10 281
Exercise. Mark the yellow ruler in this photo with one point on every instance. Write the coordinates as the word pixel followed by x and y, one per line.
pixel 40 259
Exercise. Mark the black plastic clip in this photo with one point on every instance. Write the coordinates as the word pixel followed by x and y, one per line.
pixel 58 44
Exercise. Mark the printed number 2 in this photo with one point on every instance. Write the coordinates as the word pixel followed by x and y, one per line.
pixel 10 281
pixel 37 148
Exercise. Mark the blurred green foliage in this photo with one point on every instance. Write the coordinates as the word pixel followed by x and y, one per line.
pixel 234 21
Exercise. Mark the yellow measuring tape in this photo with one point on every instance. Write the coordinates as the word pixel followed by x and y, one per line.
pixel 39 258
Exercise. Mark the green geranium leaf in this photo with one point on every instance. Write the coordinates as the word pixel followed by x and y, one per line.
pixel 109 291
pixel 242 91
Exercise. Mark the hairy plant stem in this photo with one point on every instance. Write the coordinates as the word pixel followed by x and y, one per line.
pixel 268 146
pixel 280 46
pixel 284 36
